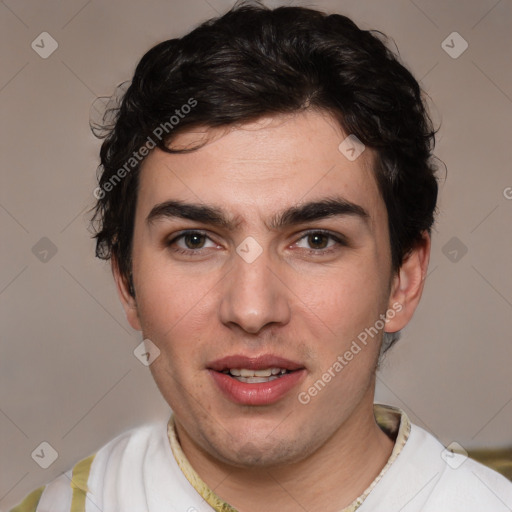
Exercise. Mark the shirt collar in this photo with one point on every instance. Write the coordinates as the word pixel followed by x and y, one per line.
pixel 393 421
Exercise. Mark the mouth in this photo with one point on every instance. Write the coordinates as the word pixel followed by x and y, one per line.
pixel 259 380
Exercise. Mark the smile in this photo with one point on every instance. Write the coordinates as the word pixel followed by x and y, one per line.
pixel 261 380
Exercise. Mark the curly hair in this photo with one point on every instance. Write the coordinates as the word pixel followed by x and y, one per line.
pixel 255 61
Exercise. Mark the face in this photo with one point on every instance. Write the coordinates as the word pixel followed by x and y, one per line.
pixel 275 260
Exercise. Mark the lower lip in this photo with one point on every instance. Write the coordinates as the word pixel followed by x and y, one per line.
pixel 262 393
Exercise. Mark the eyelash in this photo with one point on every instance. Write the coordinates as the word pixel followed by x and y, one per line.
pixel 340 242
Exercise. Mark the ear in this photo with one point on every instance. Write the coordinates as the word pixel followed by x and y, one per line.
pixel 127 299
pixel 407 285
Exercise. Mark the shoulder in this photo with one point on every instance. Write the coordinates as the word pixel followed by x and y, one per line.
pixel 464 483
pixel 90 475
pixel 433 478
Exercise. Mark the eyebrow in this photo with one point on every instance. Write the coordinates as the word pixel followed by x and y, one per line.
pixel 300 214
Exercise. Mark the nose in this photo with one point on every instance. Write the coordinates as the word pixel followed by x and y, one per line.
pixel 254 295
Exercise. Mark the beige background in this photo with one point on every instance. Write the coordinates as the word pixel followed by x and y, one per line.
pixel 68 374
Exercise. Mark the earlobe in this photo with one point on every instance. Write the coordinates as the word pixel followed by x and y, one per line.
pixel 408 284
pixel 124 290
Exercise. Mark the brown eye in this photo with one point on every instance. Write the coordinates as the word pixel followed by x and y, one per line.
pixel 194 240
pixel 318 240
pixel 321 242
pixel 191 242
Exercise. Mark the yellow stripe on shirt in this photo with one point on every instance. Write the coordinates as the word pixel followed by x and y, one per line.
pixel 79 481
pixel 29 504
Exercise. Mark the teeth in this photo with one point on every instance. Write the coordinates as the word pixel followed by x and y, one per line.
pixel 244 372
pixel 263 373
pixel 256 380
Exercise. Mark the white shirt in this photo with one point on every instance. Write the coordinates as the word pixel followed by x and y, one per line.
pixel 145 470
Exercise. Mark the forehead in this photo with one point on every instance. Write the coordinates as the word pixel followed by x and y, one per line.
pixel 261 167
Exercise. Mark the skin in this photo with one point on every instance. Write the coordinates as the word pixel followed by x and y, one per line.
pixel 302 300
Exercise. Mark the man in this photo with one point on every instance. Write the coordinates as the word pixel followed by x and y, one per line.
pixel 266 199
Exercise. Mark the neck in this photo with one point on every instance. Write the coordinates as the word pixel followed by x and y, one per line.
pixel 328 480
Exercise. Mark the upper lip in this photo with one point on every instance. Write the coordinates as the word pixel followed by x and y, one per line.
pixel 261 362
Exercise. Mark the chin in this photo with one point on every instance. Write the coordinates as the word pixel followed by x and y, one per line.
pixel 264 452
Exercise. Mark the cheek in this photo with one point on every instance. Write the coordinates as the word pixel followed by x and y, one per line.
pixel 168 297
pixel 345 300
